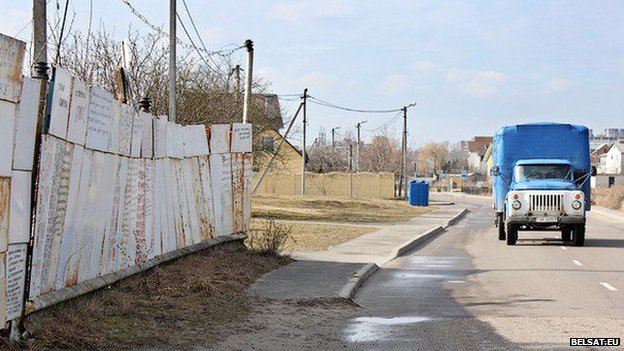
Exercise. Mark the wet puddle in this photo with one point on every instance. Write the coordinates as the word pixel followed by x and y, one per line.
pixel 364 329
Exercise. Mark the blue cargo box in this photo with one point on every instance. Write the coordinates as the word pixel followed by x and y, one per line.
pixel 538 141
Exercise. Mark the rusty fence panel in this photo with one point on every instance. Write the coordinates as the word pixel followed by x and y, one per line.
pixel 117 190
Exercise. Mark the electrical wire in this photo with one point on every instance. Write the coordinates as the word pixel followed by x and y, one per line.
pixel 223 53
pixel 349 109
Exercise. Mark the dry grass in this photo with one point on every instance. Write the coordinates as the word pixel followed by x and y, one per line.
pixel 191 300
pixel 609 197
pixel 317 237
pixel 333 209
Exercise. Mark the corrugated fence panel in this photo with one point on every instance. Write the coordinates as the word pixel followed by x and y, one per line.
pixel 247 188
pixel 237 193
pixel 12 58
pixel 220 169
pixel 58 102
pixel 26 125
pixel 7 121
pixel 78 110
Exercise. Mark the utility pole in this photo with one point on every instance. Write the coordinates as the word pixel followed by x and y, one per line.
pixel 357 148
pixel 40 34
pixel 248 81
pixel 236 70
pixel 351 170
pixel 404 160
pixel 333 137
pixel 172 61
pixel 304 98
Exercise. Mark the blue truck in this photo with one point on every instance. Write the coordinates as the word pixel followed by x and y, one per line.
pixel 541 180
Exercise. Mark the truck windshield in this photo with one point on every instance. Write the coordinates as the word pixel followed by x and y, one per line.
pixel 535 172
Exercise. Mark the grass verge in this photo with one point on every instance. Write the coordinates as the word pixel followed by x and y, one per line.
pixel 315 237
pixel 612 198
pixel 174 306
pixel 333 209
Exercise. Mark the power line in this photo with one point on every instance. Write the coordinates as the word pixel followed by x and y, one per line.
pixel 349 109
pixel 197 33
pixel 223 53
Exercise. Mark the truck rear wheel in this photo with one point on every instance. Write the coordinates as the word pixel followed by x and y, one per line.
pixel 566 234
pixel 500 223
pixel 512 234
pixel 579 235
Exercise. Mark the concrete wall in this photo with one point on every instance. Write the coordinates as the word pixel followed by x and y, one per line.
pixel 365 185
pixel 602 180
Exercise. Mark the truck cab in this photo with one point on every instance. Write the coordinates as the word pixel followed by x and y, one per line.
pixel 544 195
pixel 541 180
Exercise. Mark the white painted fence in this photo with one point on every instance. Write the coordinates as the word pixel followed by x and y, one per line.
pixel 115 188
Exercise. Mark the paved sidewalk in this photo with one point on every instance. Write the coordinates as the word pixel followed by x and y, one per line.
pixel 326 273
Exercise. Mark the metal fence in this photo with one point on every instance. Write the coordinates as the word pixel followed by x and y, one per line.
pixel 115 187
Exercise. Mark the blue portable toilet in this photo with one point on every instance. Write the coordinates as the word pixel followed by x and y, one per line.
pixel 423 193
pixel 412 194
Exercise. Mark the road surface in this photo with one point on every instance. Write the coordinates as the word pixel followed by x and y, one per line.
pixel 465 290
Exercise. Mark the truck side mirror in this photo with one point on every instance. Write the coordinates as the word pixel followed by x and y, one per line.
pixel 495 171
pixel 593 171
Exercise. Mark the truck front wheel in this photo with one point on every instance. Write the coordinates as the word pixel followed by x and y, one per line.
pixel 500 223
pixel 579 235
pixel 566 234
pixel 512 234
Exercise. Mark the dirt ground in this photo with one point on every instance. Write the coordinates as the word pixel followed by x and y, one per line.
pixel 315 237
pixel 333 209
pixel 291 325
pixel 195 300
pixel 611 198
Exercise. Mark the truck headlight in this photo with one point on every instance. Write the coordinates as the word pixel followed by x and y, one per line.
pixel 576 205
pixel 516 205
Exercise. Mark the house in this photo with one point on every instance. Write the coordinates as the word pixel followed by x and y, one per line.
pixel 477 148
pixel 287 161
pixel 613 160
pixel 488 159
pixel 597 155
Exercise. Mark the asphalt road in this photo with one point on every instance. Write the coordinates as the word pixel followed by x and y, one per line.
pixel 465 290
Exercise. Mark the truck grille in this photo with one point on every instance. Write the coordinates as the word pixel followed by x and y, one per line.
pixel 546 202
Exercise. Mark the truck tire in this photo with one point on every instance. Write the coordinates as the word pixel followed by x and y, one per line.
pixel 566 234
pixel 500 223
pixel 512 234
pixel 579 235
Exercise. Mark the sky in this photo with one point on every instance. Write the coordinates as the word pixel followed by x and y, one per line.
pixel 471 66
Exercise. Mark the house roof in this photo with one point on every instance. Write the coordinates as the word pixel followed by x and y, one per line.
pixel 601 149
pixel 269 104
pixel 479 144
pixel 618 146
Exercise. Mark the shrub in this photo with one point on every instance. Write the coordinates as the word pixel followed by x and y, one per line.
pixel 270 238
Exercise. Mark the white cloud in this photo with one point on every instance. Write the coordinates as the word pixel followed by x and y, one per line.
pixel 484 84
pixel 316 81
pixel 423 66
pixel 453 75
pixel 304 10
pixel 478 84
pixel 395 84
pixel 557 85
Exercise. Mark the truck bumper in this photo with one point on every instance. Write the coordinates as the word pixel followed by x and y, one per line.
pixel 567 220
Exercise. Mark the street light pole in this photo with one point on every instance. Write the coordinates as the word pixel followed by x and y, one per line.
pixel 333 137
pixel 357 147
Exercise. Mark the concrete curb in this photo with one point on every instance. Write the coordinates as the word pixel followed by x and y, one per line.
pixel 358 278
pixel 349 290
